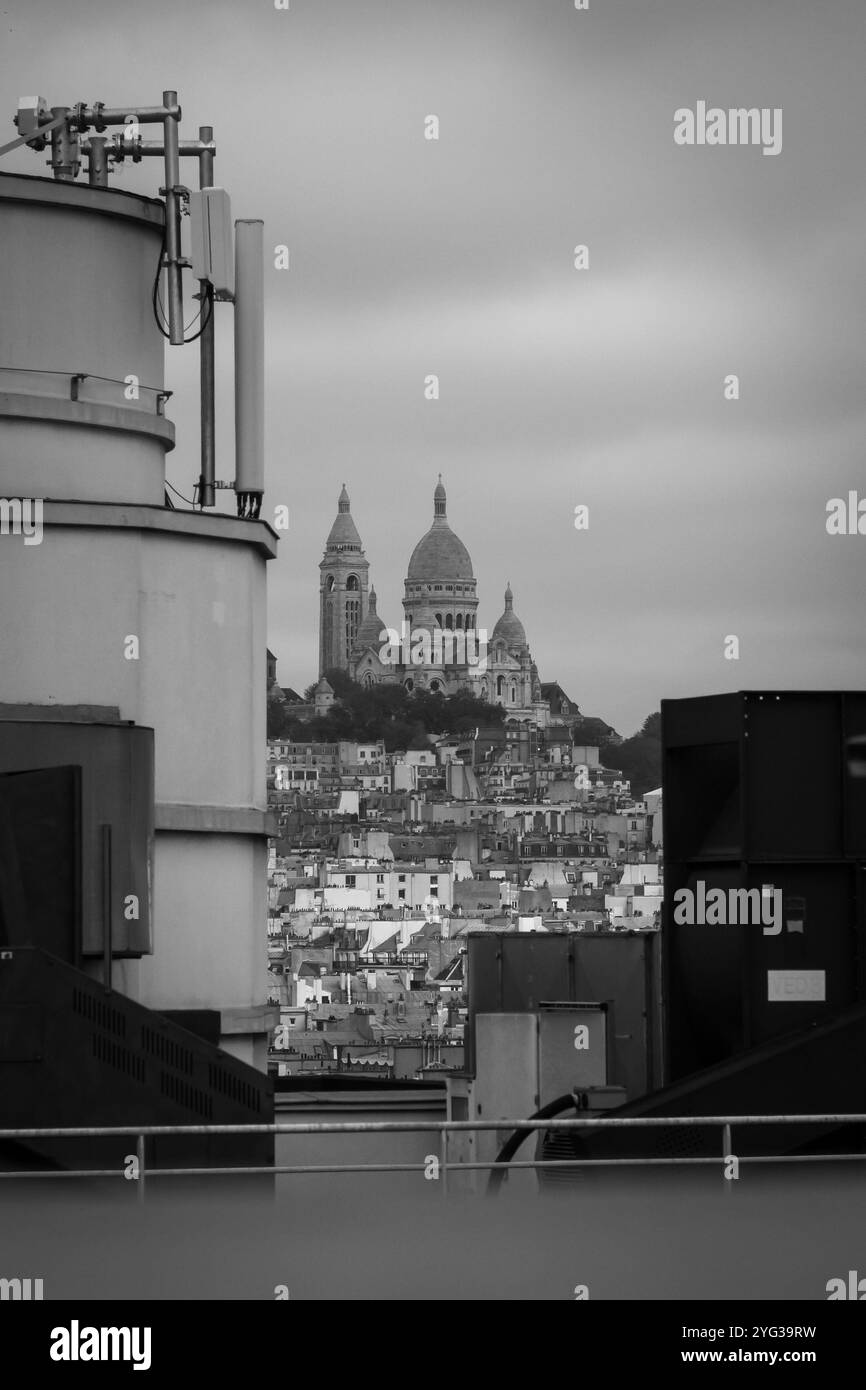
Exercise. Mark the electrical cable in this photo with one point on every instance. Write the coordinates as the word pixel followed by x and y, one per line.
pixel 159 313
pixel 179 494
pixel 209 296
pixel 510 1147
pixel 154 298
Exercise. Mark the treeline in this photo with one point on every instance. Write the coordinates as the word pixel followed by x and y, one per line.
pixel 401 718
pixel 639 757
pixel 404 720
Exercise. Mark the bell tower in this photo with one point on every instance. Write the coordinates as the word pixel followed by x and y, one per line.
pixel 342 590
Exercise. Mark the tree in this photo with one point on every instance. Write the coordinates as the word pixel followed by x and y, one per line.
pixel 639 758
pixel 401 718
pixel 276 712
pixel 590 730
pixel 652 726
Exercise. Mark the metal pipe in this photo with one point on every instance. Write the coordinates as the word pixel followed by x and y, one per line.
pixel 207 372
pixel 277 1170
pixel 726 1153
pixel 174 285
pixel 426 1126
pixel 65 160
pixel 100 116
pixel 139 1151
pixel 97 168
pixel 207 491
pixel 249 367
pixel 206 151
pixel 191 149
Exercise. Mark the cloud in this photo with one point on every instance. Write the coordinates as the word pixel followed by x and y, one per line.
pixel 557 386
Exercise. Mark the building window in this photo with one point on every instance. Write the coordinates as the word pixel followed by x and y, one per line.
pixel 350 880
pixel 401 892
pixel 401 878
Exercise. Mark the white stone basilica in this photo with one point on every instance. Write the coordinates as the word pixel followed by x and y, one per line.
pixel 438 646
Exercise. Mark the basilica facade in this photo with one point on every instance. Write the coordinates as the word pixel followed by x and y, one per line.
pixel 438 645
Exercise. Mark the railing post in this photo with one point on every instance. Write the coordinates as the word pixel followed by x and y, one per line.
pixel 443 1158
pixel 139 1149
pixel 726 1149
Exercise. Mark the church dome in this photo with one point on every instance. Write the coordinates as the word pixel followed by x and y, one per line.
pixel 509 629
pixel 440 556
pixel 344 532
pixel 368 634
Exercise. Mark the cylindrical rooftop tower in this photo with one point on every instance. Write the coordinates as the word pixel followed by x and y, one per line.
pixel 124 606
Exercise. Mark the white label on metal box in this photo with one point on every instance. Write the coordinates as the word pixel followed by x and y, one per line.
pixel 791 986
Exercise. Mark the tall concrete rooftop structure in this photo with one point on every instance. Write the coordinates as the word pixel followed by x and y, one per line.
pixel 129 612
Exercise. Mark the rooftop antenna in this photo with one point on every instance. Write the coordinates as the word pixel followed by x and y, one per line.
pixel 213 261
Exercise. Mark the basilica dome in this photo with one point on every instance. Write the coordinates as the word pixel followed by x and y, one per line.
pixel 509 629
pixel 440 557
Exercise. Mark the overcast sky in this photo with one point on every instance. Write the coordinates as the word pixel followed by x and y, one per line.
pixel 558 387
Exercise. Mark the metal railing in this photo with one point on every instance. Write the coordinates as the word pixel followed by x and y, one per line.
pixel 441 1128
pixel 68 386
